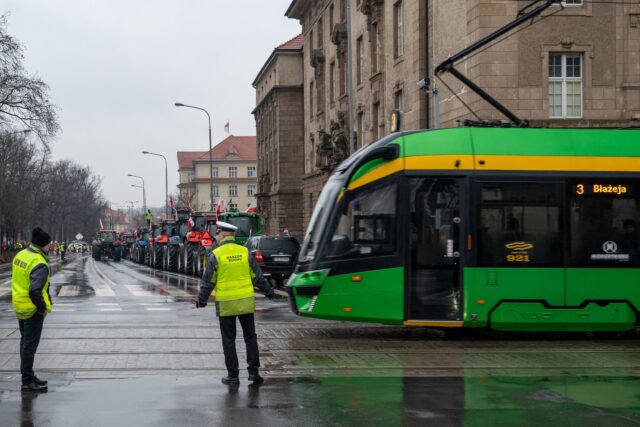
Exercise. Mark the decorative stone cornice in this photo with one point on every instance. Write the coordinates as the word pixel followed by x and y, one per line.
pixel 339 33
pixel 317 57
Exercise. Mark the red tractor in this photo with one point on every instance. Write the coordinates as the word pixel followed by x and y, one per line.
pixel 198 243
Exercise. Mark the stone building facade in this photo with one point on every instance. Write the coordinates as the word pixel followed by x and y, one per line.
pixel 577 65
pixel 388 59
pixel 279 115
pixel 234 170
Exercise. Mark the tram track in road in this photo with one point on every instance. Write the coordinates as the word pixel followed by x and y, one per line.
pixel 153 272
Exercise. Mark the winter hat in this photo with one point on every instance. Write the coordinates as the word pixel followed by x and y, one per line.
pixel 39 237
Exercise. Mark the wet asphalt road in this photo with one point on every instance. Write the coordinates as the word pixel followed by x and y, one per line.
pixel 124 346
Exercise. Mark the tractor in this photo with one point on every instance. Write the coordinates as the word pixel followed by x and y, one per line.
pixel 106 244
pixel 140 245
pixel 199 241
pixel 248 223
pixel 128 242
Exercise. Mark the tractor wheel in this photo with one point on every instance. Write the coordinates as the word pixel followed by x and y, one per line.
pixel 181 251
pixel 188 265
pixel 157 258
pixel 117 254
pixel 174 252
pixel 96 254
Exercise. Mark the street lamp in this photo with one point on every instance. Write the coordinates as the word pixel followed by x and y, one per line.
pixel 144 191
pixel 166 182
pixel 179 104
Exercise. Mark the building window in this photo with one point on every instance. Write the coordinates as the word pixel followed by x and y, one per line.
pixel 565 85
pixel 343 73
pixel 233 207
pixel 398 24
pixel 375 119
pixel 332 83
pixel 214 171
pixel 398 100
pixel 375 48
pixel 233 171
pixel 360 62
pixel 233 190
pixel 191 176
pixel 251 171
pixel 251 190
pixel 320 33
pixel 216 191
pixel 343 10
pixel 360 128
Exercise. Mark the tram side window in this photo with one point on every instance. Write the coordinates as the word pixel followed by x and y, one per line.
pixel 519 225
pixel 604 224
pixel 368 227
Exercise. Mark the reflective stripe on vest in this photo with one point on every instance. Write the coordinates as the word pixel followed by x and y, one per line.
pixel 23 264
pixel 234 272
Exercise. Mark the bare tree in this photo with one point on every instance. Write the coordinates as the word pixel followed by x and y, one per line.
pixel 24 99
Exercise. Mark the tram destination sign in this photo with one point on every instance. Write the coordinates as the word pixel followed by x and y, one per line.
pixel 603 189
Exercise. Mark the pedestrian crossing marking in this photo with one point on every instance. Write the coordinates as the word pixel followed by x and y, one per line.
pixel 138 291
pixel 158 309
pixel 100 304
pixel 110 309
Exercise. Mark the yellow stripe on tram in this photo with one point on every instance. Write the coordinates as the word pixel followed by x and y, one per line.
pixel 434 323
pixel 499 162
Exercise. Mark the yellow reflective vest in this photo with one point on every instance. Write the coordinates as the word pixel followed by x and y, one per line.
pixel 23 263
pixel 234 276
pixel 148 215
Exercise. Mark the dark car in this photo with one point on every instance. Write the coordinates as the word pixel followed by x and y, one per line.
pixel 276 255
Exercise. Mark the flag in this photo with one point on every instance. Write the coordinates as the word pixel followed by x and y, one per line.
pixel 220 206
pixel 101 226
pixel 171 202
pixel 285 233
pixel 226 127
pixel 190 223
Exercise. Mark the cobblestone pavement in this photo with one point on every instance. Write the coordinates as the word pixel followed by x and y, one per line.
pixel 131 334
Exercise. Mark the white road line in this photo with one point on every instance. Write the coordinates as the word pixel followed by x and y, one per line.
pixel 150 303
pixel 69 291
pixel 60 309
pixel 159 309
pixel 102 289
pixel 138 291
pixel 100 304
pixel 110 309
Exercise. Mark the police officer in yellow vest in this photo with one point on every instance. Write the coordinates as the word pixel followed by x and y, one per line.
pixel 149 217
pixel 31 302
pixel 233 272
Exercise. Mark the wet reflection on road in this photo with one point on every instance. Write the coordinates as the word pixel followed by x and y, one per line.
pixel 388 401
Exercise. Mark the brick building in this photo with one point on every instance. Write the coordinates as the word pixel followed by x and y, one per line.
pixel 234 171
pixel 577 65
pixel 280 126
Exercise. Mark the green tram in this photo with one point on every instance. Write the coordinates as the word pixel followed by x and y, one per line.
pixel 502 228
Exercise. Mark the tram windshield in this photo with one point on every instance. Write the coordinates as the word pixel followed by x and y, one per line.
pixel 319 218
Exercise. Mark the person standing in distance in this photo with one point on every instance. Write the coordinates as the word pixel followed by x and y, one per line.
pixel 232 271
pixel 149 217
pixel 31 302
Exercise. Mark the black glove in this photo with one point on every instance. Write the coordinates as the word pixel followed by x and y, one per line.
pixel 269 294
pixel 200 304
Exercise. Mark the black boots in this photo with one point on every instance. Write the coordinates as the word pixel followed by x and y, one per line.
pixel 34 387
pixel 229 380
pixel 256 378
pixel 39 381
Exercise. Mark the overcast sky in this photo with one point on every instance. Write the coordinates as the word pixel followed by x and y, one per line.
pixel 115 68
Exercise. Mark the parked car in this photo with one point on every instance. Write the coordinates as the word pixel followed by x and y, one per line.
pixel 276 255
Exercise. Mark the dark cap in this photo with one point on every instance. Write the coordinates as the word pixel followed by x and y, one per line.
pixel 39 237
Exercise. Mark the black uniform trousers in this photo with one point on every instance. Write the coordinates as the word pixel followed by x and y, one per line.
pixel 228 330
pixel 30 331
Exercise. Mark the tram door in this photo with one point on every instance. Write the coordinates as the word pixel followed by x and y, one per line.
pixel 436 242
